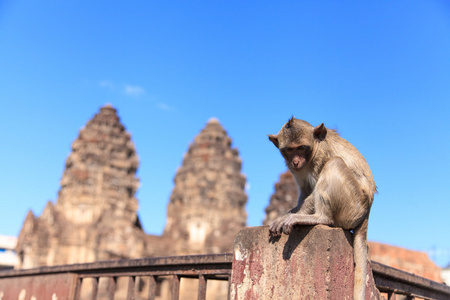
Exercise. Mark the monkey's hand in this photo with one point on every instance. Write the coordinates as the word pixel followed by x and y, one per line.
pixel 275 228
pixel 289 221
pixel 283 224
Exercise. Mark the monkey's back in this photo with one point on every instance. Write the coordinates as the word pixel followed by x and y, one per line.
pixel 334 145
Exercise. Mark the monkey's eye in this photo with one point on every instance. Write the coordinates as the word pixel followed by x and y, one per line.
pixel 303 148
pixel 288 150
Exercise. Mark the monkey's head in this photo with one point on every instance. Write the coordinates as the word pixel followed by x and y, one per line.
pixel 297 142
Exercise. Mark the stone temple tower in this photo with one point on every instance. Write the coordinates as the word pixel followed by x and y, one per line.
pixel 99 180
pixel 283 199
pixel 207 205
pixel 96 199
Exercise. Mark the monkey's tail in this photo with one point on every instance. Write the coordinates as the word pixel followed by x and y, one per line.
pixel 360 259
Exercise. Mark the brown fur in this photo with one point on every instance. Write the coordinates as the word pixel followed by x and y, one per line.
pixel 336 186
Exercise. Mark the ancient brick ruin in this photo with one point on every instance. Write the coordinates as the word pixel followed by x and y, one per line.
pixel 207 205
pixel 97 198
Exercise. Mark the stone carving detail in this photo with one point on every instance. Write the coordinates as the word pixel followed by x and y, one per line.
pixel 283 199
pixel 207 205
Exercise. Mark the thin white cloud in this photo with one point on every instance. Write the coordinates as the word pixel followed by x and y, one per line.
pixel 164 107
pixel 106 84
pixel 133 90
pixel 128 90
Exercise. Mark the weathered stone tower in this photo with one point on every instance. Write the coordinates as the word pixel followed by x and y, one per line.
pixel 283 199
pixel 96 198
pixel 99 180
pixel 207 205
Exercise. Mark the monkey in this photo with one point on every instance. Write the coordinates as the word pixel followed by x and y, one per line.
pixel 336 187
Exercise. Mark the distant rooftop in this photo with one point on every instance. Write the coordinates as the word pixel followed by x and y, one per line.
pixel 8 256
pixel 8 242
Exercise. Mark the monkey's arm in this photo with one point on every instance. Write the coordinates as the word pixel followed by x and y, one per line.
pixel 305 204
pixel 293 211
pixel 301 219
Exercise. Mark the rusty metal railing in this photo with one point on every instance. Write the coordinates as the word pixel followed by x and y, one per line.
pixel 397 282
pixel 205 267
pixel 202 267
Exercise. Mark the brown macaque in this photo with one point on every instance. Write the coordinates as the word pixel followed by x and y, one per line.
pixel 336 187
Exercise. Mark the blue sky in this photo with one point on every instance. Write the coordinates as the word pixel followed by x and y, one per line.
pixel 377 71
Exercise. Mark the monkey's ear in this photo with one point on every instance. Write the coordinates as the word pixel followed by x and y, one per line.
pixel 274 139
pixel 320 132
